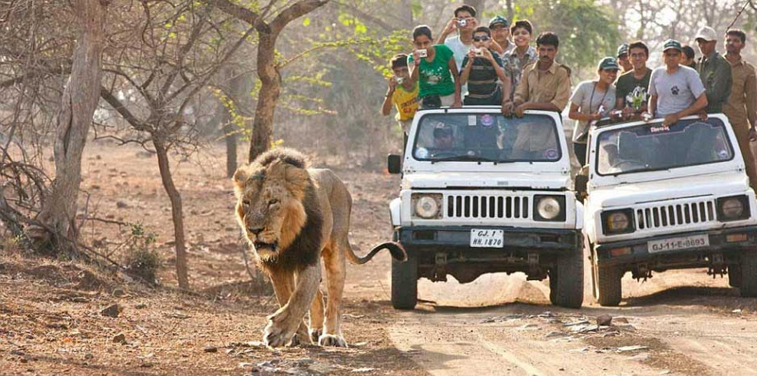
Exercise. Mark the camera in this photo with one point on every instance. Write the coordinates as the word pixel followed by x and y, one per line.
pixel 423 53
pixel 399 80
pixel 462 23
pixel 478 51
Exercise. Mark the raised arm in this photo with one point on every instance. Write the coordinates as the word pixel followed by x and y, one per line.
pixel 386 107
pixel 458 87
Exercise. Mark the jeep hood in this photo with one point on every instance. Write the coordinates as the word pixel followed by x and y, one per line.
pixel 723 184
pixel 489 180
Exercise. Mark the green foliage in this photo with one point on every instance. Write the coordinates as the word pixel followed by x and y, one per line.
pixel 588 31
pixel 141 258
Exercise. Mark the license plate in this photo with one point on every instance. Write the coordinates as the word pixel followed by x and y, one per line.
pixel 487 238
pixel 674 244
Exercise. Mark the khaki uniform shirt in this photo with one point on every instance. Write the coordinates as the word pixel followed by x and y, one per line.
pixel 741 107
pixel 551 86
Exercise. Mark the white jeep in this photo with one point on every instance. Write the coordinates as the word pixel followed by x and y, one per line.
pixel 482 193
pixel 661 198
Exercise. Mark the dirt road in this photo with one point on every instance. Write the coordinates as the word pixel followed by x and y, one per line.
pixel 663 329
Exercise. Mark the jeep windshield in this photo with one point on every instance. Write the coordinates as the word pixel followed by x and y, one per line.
pixel 652 147
pixel 486 137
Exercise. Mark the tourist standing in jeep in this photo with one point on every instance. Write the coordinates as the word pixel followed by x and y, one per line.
pixel 741 107
pixel 545 85
pixel 632 94
pixel 676 91
pixel 714 71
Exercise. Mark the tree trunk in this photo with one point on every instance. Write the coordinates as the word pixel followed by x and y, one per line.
pixel 270 78
pixel 230 132
pixel 510 12
pixel 176 212
pixel 78 104
pixel 480 7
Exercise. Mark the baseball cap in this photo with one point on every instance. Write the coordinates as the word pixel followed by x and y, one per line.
pixel 707 33
pixel 608 63
pixel 622 50
pixel 671 44
pixel 499 20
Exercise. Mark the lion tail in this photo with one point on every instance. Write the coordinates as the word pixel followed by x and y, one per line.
pixel 395 249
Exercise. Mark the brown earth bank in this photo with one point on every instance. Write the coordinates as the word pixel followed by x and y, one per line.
pixel 52 320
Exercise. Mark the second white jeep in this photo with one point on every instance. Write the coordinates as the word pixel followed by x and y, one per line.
pixel 667 197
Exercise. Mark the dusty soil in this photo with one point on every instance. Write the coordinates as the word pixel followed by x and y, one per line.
pixel 681 322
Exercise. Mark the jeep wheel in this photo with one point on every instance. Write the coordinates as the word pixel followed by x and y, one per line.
pixel 566 281
pixel 605 282
pixel 734 276
pixel 405 283
pixel 748 275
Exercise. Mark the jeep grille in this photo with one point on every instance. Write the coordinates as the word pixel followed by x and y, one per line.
pixel 487 206
pixel 662 216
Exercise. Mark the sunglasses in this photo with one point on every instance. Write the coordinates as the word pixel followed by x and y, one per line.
pixel 482 38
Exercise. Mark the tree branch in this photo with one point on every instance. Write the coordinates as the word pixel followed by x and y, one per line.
pixel 295 11
pixel 122 110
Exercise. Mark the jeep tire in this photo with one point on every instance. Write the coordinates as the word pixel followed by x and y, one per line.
pixel 734 275
pixel 606 282
pixel 748 275
pixel 567 281
pixel 405 283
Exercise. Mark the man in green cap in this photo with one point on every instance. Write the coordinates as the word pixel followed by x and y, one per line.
pixel 714 70
pixel 676 91
pixel 500 29
pixel 623 58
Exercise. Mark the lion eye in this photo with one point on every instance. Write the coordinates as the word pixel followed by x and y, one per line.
pixel 273 201
pixel 246 203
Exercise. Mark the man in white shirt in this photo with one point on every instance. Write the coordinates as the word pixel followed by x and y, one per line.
pixel 465 23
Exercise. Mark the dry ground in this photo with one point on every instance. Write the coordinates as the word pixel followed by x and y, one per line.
pixel 50 322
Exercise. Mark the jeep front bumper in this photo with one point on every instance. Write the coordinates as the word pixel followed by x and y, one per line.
pixel 728 242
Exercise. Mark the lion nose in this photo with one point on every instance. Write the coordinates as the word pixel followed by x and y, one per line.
pixel 255 230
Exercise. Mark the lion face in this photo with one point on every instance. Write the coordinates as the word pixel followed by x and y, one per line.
pixel 269 205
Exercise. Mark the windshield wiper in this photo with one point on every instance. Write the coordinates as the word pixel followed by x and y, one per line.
pixel 465 158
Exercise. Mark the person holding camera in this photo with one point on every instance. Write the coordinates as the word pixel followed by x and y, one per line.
pixel 434 67
pixel 402 93
pixel 464 22
pixel 591 101
pixel 482 67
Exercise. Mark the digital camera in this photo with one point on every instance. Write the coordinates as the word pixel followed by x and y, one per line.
pixel 462 23
pixel 423 53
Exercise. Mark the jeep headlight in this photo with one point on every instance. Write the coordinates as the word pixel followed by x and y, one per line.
pixel 427 206
pixel 617 221
pixel 549 208
pixel 733 208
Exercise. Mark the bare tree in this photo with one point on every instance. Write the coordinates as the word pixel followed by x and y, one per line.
pixel 166 71
pixel 80 98
pixel 268 68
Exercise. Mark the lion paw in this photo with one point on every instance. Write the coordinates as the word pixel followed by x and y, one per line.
pixel 332 340
pixel 315 334
pixel 278 334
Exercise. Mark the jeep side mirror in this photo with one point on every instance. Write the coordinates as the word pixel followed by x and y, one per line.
pixel 394 163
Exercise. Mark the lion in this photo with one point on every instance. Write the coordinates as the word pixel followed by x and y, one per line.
pixel 293 216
